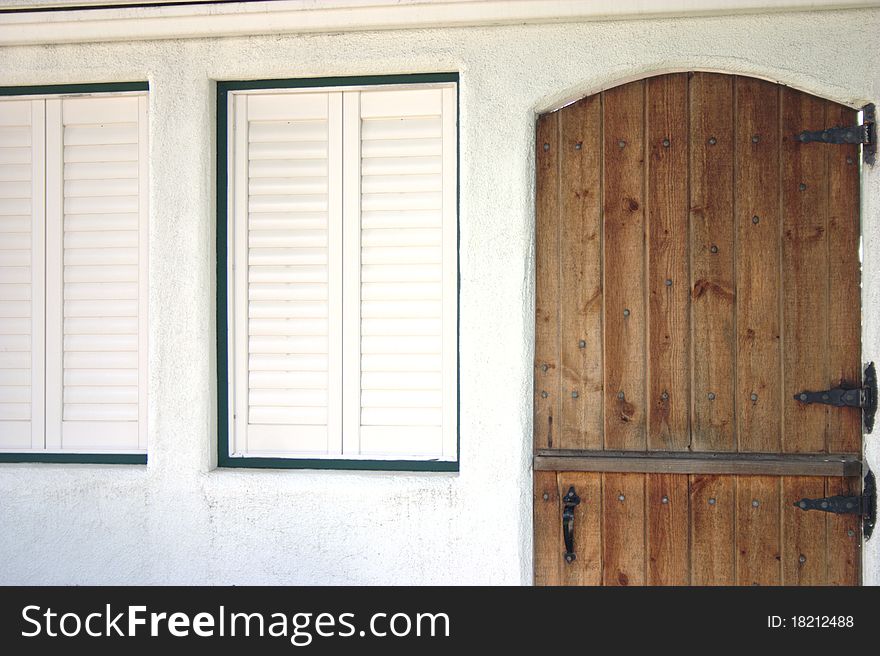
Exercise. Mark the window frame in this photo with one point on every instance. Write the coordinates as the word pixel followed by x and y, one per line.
pixel 74 457
pixel 224 279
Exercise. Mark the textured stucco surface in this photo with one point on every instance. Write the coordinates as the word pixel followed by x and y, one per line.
pixel 179 520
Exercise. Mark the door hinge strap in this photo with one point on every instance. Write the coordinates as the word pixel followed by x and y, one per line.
pixel 864 134
pixel 864 505
pixel 864 397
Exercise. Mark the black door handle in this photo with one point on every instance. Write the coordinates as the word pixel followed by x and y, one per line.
pixel 571 500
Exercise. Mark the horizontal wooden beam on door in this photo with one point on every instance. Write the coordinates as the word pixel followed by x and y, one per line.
pixel 664 462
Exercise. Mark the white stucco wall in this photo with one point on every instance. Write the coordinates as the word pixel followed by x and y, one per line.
pixel 180 520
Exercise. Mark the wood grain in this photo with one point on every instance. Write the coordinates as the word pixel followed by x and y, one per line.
pixel 758 283
pixel 844 428
pixel 546 370
pixel 623 529
pixel 712 511
pixel 548 533
pixel 580 245
pixel 712 256
pixel 668 346
pixel 805 271
pixel 586 569
pixel 843 536
pixel 667 538
pixel 757 530
pixel 803 533
pixel 624 255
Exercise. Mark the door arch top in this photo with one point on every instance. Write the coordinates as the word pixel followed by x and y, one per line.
pixel 578 92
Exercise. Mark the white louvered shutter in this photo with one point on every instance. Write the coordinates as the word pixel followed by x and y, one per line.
pixel 96 273
pixel 404 304
pixel 21 274
pixel 287 305
pixel 343 303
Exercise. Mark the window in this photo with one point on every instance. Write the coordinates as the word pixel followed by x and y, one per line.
pixel 338 273
pixel 73 220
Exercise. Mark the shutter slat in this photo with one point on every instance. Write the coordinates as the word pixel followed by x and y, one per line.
pixel 100 377
pixel 288 326
pixel 101 171
pixel 101 153
pixel 285 309
pixel 402 148
pixel 100 342
pixel 290 150
pixel 398 272
pixel 401 128
pixel 291 238
pixel 118 273
pixel 398 416
pixel 376 166
pixel 287 221
pixel 288 292
pixel 105 393
pixel 99 412
pixel 100 187
pixel 15 377
pixel 288 416
pixel 100 308
pixel 100 222
pixel 15 172
pixel 287 379
pixel 103 135
pixel 287 168
pixel 306 344
pixel 293 397
pixel 287 274
pixel 287 256
pixel 15 411
pixel 302 362
pixel 101 205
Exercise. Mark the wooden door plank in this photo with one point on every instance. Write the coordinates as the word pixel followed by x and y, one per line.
pixel 586 569
pixel 580 245
pixel 844 292
pixel 712 509
pixel 546 370
pixel 712 253
pixel 805 272
pixel 623 529
pixel 667 250
pixel 667 529
pixel 624 255
pixel 843 536
pixel 803 533
pixel 548 533
pixel 758 221
pixel 757 530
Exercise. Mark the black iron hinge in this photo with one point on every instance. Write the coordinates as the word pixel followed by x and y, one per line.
pixel 864 505
pixel 864 397
pixel 864 134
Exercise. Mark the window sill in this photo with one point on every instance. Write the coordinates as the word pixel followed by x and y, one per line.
pixel 339 464
pixel 76 458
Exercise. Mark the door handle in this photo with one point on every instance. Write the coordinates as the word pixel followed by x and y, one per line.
pixel 570 501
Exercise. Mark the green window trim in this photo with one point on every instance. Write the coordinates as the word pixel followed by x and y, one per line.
pixel 342 464
pixel 31 457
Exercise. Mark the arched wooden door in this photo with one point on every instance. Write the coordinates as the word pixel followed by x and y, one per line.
pixel 697 267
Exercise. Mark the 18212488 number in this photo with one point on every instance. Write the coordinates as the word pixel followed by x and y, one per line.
pixel 811 622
